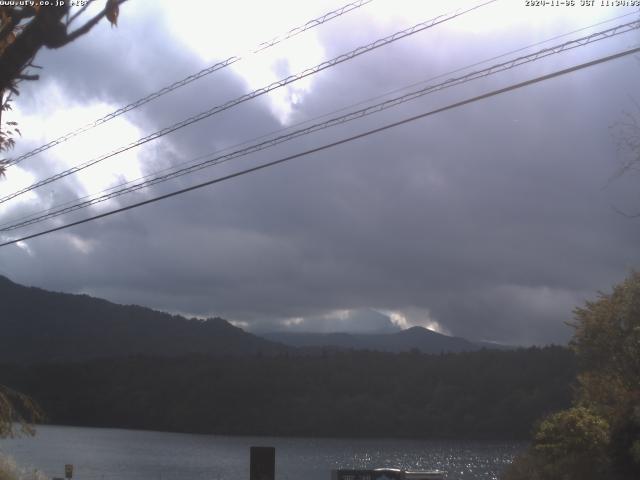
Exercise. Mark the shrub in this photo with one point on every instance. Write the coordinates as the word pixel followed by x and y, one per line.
pixel 9 470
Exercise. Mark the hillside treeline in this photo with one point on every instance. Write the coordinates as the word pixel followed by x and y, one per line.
pixel 484 394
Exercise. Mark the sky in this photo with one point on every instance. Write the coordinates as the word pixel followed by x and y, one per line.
pixel 491 221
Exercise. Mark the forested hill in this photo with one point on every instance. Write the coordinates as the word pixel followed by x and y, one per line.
pixel 38 325
pixel 91 362
pixel 483 394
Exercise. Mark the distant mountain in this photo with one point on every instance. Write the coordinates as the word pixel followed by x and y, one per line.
pixel 415 338
pixel 37 325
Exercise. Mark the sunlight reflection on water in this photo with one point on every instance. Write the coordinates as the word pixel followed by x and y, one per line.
pixel 110 454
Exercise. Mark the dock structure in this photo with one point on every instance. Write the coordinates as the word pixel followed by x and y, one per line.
pixel 263 462
pixel 385 474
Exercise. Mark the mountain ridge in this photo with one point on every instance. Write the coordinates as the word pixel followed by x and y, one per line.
pixel 416 338
pixel 77 327
pixel 38 325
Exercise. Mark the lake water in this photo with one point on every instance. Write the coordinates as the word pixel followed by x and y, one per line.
pixel 113 454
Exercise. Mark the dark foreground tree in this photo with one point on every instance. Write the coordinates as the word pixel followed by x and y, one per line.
pixel 600 436
pixel 24 30
pixel 607 340
pixel 18 413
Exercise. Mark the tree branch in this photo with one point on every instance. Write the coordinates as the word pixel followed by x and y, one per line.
pixel 38 32
pixel 24 76
pixel 80 12
pixel 624 214
pixel 47 28
pixel 89 25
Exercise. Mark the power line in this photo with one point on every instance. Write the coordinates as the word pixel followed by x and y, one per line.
pixel 50 213
pixel 191 78
pixel 254 94
pixel 486 60
pixel 393 102
pixel 335 143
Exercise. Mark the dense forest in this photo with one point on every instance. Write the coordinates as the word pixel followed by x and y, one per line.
pixel 484 394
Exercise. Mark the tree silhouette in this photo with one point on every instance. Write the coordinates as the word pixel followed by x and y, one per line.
pixel 24 30
pixel 600 436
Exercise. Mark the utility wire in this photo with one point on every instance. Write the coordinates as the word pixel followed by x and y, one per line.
pixel 314 119
pixel 54 209
pixel 393 102
pixel 482 62
pixel 336 143
pixel 191 78
pixel 254 94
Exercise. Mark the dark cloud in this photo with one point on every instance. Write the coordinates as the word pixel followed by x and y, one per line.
pixel 491 221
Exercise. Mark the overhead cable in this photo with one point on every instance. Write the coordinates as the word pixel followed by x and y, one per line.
pixel 360 113
pixel 191 78
pixel 254 94
pixel 333 144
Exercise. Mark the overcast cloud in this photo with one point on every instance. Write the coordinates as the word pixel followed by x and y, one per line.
pixel 491 221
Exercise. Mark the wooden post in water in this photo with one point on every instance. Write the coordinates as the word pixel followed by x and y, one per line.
pixel 262 463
